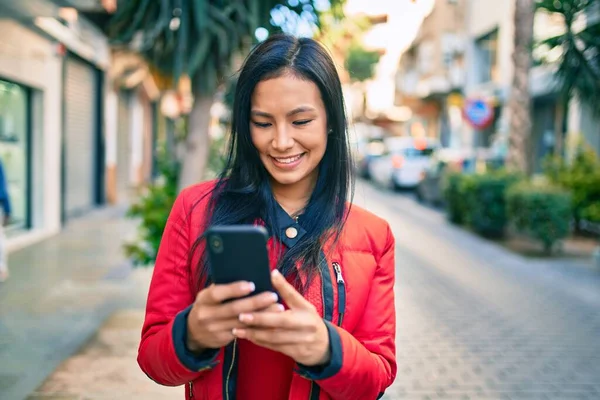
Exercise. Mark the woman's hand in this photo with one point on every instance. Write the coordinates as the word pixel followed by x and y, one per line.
pixel 211 322
pixel 299 332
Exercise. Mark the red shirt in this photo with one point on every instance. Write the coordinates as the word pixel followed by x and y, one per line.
pixel 263 374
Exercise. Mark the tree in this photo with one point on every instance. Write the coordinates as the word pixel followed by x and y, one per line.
pixel 519 104
pixel 199 39
pixel 577 69
pixel 360 63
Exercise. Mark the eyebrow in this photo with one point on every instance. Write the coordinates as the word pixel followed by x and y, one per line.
pixel 293 112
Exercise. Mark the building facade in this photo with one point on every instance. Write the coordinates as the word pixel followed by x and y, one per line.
pixel 431 74
pixel 457 76
pixel 60 133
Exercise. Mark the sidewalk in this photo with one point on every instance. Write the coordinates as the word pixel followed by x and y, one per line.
pixel 106 367
pixel 60 293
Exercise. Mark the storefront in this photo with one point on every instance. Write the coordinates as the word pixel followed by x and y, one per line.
pixel 15 149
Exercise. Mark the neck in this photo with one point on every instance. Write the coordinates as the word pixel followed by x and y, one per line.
pixel 294 198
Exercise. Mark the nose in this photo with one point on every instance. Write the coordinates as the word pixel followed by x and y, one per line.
pixel 282 140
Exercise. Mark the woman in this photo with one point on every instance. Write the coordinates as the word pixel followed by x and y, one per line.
pixel 289 169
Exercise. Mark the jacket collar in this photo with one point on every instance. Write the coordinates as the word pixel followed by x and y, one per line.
pixel 288 230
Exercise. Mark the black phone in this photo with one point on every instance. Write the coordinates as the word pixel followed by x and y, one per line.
pixel 239 253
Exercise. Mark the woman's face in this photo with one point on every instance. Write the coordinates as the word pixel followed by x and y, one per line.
pixel 288 125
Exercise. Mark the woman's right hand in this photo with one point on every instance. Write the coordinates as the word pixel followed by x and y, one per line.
pixel 210 322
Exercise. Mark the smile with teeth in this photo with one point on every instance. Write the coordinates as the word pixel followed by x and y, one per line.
pixel 288 160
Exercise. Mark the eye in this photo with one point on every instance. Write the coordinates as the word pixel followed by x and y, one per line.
pixel 302 122
pixel 261 124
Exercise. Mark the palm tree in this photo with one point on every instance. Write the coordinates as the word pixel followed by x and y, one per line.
pixel 200 39
pixel 577 70
pixel 519 103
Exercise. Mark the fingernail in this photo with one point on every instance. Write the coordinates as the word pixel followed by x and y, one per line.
pixel 275 273
pixel 275 297
pixel 280 307
pixel 245 317
pixel 238 333
pixel 250 286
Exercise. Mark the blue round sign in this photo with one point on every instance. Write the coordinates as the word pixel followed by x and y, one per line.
pixel 478 113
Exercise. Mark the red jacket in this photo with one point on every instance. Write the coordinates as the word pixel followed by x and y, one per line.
pixel 354 295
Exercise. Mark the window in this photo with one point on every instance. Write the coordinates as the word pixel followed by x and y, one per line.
pixel 14 148
pixel 487 56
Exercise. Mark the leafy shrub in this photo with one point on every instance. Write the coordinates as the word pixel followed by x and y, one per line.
pixel 455 202
pixel 541 212
pixel 485 200
pixel 582 178
pixel 152 209
pixel 591 213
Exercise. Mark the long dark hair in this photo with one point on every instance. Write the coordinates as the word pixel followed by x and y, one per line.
pixel 243 191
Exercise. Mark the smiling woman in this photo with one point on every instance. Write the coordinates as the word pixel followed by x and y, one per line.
pixel 329 332
pixel 290 139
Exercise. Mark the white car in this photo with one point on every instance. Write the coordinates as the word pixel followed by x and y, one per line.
pixel 403 162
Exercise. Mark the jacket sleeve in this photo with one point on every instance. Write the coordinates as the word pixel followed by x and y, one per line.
pixel 162 353
pixel 363 363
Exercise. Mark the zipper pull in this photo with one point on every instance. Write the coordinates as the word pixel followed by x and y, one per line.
pixel 191 389
pixel 338 272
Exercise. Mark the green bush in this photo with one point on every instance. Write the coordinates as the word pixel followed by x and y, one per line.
pixel 591 213
pixel 455 202
pixel 152 209
pixel 540 212
pixel 582 178
pixel 154 205
pixel 485 200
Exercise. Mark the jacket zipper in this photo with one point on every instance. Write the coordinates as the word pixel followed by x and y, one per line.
pixel 341 292
pixel 230 370
pixel 314 390
pixel 191 386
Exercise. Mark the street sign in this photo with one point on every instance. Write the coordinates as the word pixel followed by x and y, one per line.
pixel 479 113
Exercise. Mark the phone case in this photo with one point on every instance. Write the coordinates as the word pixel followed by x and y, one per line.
pixel 239 253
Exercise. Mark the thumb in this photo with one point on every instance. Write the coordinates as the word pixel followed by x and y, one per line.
pixel 287 292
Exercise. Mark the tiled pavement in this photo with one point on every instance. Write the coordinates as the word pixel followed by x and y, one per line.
pixel 59 293
pixel 474 321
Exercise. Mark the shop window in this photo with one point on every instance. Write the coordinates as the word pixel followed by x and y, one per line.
pixel 14 149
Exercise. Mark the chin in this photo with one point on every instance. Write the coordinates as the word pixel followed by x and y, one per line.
pixel 287 180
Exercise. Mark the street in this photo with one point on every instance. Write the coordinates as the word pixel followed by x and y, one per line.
pixel 476 322
pixel 473 320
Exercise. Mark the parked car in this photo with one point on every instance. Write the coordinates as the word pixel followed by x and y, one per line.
pixel 403 161
pixel 370 150
pixel 468 161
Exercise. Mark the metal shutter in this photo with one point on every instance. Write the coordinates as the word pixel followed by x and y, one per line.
pixel 80 133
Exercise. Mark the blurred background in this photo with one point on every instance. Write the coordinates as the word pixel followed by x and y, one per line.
pixel 475 127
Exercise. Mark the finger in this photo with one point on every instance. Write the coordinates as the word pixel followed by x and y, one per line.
pixel 272 320
pixel 227 325
pixel 271 337
pixel 287 292
pixel 247 305
pixel 216 294
pixel 274 308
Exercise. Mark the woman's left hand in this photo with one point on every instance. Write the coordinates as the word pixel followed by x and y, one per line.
pixel 299 332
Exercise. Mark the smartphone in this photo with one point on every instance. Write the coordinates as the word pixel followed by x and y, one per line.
pixel 239 253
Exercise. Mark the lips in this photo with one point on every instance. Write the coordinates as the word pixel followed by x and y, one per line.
pixel 288 160
pixel 288 163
